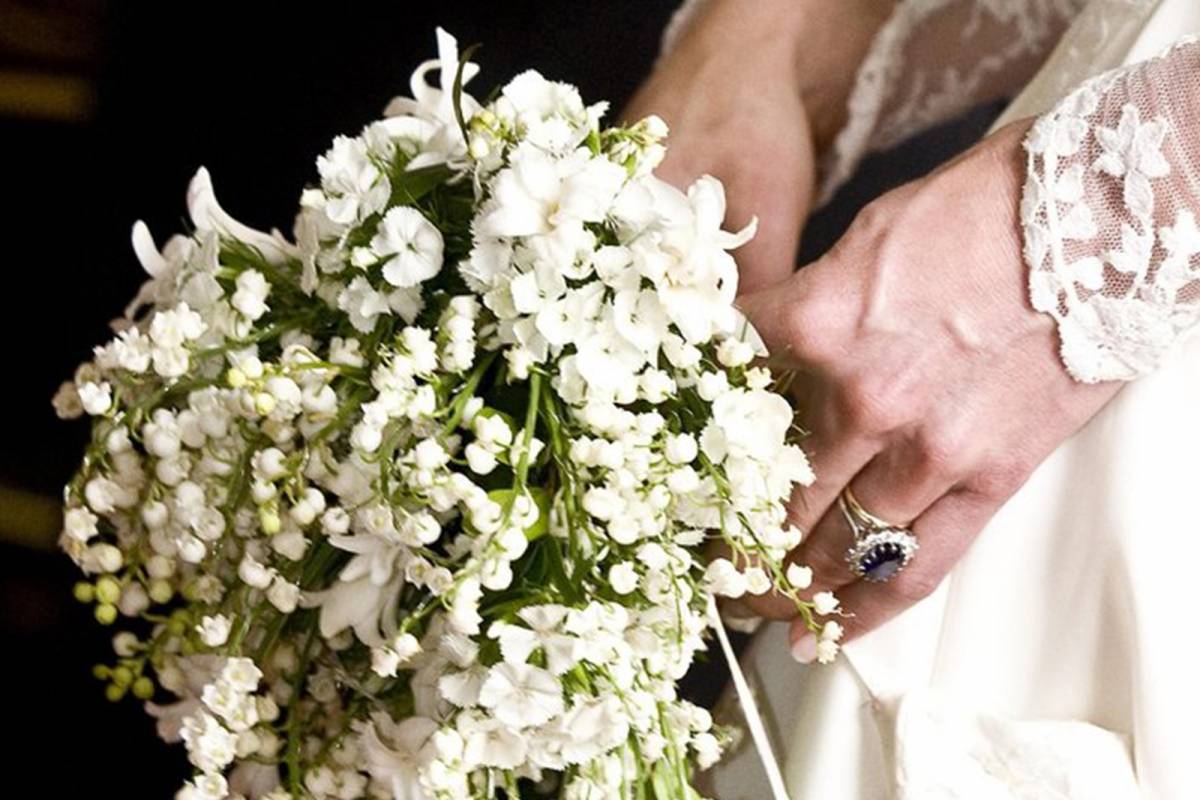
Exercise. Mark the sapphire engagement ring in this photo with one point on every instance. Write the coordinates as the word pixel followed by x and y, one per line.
pixel 881 549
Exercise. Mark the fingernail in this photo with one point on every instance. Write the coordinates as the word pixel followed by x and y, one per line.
pixel 805 649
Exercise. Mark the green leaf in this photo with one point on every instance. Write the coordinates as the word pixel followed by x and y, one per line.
pixel 411 185
pixel 541 498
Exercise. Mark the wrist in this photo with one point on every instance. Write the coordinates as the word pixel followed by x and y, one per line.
pixel 826 75
pixel 791 40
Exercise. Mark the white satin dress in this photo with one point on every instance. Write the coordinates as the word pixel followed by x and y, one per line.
pixel 1060 658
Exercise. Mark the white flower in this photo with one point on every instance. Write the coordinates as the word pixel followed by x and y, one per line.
pixel 283 594
pixel 214 630
pixel 209 786
pixel 251 295
pixel 724 578
pixel 363 304
pixel 538 192
pixel 695 278
pixel 681 449
pixel 396 752
pixel 481 460
pixel 80 524
pixel 355 186
pixel 211 747
pixel 623 577
pixel 492 743
pixel 96 397
pixel 521 695
pixel 1133 150
pixel 800 577
pixel 825 603
pixel 733 352
pixel 176 326
pixel 414 244
pixel 748 424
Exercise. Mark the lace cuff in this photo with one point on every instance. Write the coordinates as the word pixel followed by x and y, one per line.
pixel 1108 215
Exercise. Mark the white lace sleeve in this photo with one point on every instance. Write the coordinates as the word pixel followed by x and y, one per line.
pixel 935 59
pixel 1108 215
pixel 931 60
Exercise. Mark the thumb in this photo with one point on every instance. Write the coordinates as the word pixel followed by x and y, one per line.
pixel 784 314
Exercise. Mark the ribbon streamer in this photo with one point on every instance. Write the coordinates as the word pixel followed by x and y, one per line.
pixel 758 731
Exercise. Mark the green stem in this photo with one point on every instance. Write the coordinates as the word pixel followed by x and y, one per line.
pixel 531 413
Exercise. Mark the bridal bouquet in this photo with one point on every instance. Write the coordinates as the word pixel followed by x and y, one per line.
pixel 420 505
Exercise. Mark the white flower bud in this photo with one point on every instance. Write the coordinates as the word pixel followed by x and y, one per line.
pixel 624 530
pixel 254 574
pixel 269 464
pixel 106 557
pixel 96 397
pixel 214 630
pixel 479 459
pixel 155 514
pixel 335 521
pixel 118 441
pixel 429 454
pixel 825 603
pixel 757 581
pixel 283 595
pixel 724 578
pixel 799 577
pixel 734 352
pixel 681 449
pixel 125 644
pixel 134 600
pixel 623 577
pixel 80 524
pixel 712 385
pixel 683 480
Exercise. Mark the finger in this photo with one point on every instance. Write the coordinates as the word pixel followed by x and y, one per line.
pixel 804 319
pixel 897 486
pixel 833 464
pixel 945 531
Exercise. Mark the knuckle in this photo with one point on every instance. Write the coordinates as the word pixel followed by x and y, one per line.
pixel 939 454
pixel 871 407
pixel 913 587
pixel 1000 479
pixel 809 326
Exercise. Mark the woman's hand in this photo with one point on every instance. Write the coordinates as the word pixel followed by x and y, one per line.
pixel 751 91
pixel 932 387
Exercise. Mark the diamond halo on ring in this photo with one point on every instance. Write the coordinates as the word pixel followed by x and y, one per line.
pixel 881 549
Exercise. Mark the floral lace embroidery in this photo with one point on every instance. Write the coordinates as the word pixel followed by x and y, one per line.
pixel 1109 236
pixel 934 59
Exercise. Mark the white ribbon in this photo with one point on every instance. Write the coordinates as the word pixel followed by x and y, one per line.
pixel 758 731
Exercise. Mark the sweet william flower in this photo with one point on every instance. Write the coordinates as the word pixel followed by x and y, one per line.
pixel 363 304
pixel 521 695
pixel 748 424
pixel 395 752
pixel 412 245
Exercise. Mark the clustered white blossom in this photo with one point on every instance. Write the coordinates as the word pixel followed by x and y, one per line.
pixel 418 506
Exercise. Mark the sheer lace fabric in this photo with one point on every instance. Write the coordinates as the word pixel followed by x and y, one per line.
pixel 935 59
pixel 1108 215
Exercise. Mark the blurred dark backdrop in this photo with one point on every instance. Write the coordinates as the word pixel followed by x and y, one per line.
pixel 106 111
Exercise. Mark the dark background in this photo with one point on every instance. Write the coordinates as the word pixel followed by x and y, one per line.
pixel 106 111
